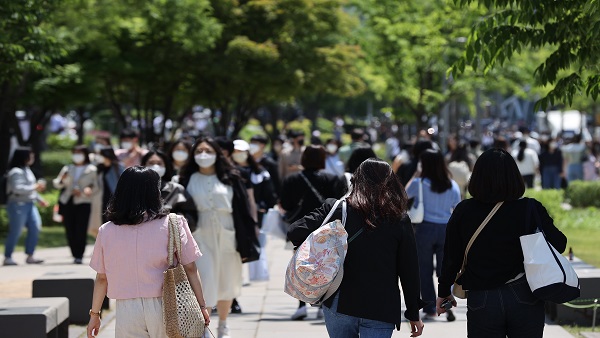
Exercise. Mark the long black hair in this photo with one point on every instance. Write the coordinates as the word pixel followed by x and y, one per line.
pixel 20 157
pixel 225 171
pixel 436 170
pixel 377 193
pixel 521 154
pixel 137 198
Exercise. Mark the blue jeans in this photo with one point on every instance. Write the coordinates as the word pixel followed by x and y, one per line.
pixel 574 172
pixel 344 326
pixel 551 177
pixel 22 214
pixel 510 310
pixel 430 238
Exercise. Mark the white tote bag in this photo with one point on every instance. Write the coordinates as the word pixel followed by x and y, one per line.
pixel 549 274
pixel 417 211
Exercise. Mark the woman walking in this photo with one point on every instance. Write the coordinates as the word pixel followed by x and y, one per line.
pixel 440 196
pixel 385 248
pixel 500 302
pixel 226 231
pixel 78 182
pixel 131 255
pixel 22 190
pixel 306 190
pixel 109 171
pixel 527 162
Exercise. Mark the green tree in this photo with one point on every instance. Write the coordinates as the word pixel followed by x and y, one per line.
pixel 276 51
pixel 571 29
pixel 26 49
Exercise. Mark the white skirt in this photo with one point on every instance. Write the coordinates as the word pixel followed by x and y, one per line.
pixel 140 317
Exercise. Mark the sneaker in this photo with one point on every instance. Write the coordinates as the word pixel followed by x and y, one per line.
pixel 300 314
pixel 450 316
pixel 9 261
pixel 223 332
pixel 31 260
pixel 320 314
pixel 78 261
pixel 235 307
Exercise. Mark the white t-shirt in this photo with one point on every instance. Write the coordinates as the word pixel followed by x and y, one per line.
pixel 530 161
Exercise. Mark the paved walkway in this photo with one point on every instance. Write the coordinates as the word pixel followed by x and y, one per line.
pixel 266 307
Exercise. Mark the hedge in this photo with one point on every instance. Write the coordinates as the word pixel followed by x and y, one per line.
pixel 581 194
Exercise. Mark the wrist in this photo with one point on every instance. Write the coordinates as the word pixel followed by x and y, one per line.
pixel 94 313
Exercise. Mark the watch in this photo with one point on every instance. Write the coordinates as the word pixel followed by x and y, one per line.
pixel 97 314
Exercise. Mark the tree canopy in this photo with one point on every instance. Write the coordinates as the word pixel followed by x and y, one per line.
pixel 571 29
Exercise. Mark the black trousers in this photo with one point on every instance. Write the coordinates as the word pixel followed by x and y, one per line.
pixel 76 219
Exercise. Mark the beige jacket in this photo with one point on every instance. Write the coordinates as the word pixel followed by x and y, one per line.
pixel 88 178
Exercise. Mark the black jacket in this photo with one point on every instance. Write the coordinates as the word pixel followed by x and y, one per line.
pixel 496 255
pixel 295 190
pixel 373 264
pixel 244 223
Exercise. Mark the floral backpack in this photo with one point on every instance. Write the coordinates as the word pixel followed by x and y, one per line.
pixel 316 270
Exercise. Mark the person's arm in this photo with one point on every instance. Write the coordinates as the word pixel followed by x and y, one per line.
pixel 290 196
pixel 252 203
pixel 196 283
pixel 553 235
pixel 100 286
pixel 58 182
pixel 17 181
pixel 412 187
pixel 408 272
pixel 299 230
pixel 453 255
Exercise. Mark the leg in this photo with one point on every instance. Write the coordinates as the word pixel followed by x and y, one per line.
pixel 70 223
pixel 129 319
pixel 16 220
pixel 339 325
pixel 223 307
pixel 82 217
pixel 375 329
pixel 34 226
pixel 424 237
pixel 485 314
pixel 154 317
pixel 525 313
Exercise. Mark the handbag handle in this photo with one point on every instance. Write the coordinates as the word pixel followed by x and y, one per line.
pixel 483 224
pixel 174 238
pixel 315 191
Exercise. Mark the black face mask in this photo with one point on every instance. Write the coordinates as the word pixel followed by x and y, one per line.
pixel 300 142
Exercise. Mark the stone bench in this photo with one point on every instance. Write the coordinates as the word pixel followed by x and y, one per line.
pixel 34 318
pixel 589 280
pixel 77 285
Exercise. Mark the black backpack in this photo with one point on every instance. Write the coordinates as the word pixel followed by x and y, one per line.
pixel 3 188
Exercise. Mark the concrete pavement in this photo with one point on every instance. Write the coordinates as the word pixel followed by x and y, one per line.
pixel 266 308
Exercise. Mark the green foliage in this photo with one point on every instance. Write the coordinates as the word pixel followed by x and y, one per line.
pixel 45 213
pixel 551 199
pixel 570 29
pixel 581 194
pixel 61 142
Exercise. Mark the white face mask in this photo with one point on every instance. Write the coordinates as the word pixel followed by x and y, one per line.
pixel 160 170
pixel 180 155
pixel 99 159
pixel 205 160
pixel 97 147
pixel 553 145
pixel 239 158
pixel 127 145
pixel 332 148
pixel 254 148
pixel 78 158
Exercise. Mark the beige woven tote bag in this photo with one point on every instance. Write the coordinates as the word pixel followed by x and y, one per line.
pixel 181 312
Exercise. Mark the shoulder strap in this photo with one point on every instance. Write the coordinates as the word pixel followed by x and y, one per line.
pixel 335 205
pixel 483 224
pixel 321 199
pixel 174 239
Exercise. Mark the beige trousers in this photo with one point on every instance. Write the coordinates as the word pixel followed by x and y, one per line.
pixel 140 317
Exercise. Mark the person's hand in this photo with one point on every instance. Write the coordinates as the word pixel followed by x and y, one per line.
pixel 206 316
pixel 44 204
pixel 93 326
pixel 87 191
pixel 416 328
pixel 76 192
pixel 438 304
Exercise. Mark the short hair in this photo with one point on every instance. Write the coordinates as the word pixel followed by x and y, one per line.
pixel 295 133
pixel 377 193
pixel 358 156
pixel 313 157
pixel 496 177
pixel 109 153
pixel 20 157
pixel 357 134
pixel 137 198
pixel 128 133
pixel 86 152
pixel 168 166
pixel 260 139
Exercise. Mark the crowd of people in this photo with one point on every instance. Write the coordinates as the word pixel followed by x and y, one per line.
pixel 223 188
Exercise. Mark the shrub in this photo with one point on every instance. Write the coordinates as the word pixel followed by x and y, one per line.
pixel 583 194
pixel 61 141
pixel 551 199
pixel 46 213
